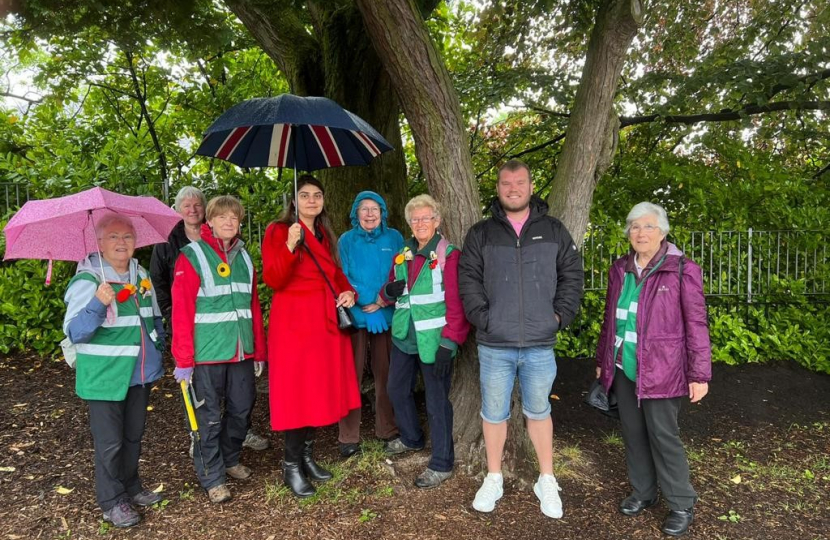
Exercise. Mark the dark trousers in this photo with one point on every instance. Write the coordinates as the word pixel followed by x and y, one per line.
pixel 403 375
pixel 117 428
pixel 377 345
pixel 222 386
pixel 654 452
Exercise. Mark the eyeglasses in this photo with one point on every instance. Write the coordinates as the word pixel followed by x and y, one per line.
pixel 369 210
pixel 645 228
pixel 114 238
pixel 415 221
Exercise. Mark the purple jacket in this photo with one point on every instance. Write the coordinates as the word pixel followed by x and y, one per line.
pixel 673 347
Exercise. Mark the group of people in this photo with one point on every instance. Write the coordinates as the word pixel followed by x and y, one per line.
pixel 518 280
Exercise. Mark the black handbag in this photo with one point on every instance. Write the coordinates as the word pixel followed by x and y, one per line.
pixel 344 316
pixel 604 403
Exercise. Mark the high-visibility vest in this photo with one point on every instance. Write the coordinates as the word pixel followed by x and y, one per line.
pixel 423 306
pixel 105 365
pixel 224 325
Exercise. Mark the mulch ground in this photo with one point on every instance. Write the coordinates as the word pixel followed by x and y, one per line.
pixel 759 448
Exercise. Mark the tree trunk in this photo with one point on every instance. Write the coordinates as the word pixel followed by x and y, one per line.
pixel 431 106
pixel 336 61
pixel 592 129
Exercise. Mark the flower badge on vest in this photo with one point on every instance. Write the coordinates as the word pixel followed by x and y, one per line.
pixel 223 269
pixel 144 288
pixel 405 256
pixel 125 293
pixel 433 260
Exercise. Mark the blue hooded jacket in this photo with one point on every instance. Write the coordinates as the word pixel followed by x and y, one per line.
pixel 367 257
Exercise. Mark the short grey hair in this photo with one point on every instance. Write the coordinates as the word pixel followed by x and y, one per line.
pixel 189 192
pixel 421 201
pixel 648 209
pixel 109 220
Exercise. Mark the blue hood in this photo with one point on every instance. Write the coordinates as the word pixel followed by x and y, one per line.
pixel 384 214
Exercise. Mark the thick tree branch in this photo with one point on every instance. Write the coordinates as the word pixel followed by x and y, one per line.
pixel 726 115
pixel 284 37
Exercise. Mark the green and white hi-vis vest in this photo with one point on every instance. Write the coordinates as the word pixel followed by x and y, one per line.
pixel 224 325
pixel 424 305
pixel 105 365
pixel 626 322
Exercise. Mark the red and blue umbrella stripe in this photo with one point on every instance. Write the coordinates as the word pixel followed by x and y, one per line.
pixel 308 134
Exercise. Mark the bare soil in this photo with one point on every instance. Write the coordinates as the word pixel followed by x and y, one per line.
pixel 759 448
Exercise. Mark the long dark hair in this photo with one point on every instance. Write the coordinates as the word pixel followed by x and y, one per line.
pixel 321 222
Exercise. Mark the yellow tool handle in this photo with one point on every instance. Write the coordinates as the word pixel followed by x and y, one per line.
pixel 191 414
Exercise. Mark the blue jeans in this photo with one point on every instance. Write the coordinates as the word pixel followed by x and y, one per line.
pixel 536 368
pixel 403 374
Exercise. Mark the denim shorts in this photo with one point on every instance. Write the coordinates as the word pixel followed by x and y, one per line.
pixel 536 367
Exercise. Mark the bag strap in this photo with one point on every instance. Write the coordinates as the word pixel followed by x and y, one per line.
pixel 313 258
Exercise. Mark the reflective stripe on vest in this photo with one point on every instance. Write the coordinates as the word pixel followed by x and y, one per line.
pixel 424 306
pixel 105 365
pixel 223 321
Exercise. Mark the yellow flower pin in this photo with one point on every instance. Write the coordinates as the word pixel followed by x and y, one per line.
pixel 399 259
pixel 223 270
pixel 145 284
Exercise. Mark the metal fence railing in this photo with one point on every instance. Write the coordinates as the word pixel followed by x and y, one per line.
pixel 740 264
pixel 12 195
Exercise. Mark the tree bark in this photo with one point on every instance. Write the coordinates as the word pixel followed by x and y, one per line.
pixel 591 136
pixel 431 106
pixel 336 60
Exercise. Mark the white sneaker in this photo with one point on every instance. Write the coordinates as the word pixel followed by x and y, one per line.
pixel 490 491
pixel 547 490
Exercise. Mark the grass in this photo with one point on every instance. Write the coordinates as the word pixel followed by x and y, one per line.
pixel 570 462
pixel 367 466
pixel 612 438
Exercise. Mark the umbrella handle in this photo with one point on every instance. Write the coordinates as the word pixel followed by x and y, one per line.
pixel 191 414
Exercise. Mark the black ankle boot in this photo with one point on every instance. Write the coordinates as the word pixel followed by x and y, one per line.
pixel 295 479
pixel 293 474
pixel 310 467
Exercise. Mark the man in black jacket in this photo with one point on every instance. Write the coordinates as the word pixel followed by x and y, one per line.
pixel 520 278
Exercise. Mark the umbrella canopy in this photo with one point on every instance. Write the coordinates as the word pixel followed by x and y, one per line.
pixel 63 229
pixel 304 133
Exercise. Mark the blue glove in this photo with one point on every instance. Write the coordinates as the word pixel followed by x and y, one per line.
pixel 376 322
pixel 183 374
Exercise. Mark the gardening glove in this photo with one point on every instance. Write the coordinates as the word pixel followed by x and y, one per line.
pixel 258 367
pixel 376 322
pixel 183 374
pixel 394 289
pixel 443 362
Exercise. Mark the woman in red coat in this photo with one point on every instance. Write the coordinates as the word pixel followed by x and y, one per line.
pixel 311 375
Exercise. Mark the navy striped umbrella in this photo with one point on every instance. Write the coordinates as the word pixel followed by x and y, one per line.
pixel 305 133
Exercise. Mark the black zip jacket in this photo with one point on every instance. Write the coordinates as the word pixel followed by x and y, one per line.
pixel 512 287
pixel 162 264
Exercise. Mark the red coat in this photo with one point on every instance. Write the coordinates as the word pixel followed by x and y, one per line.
pixel 310 361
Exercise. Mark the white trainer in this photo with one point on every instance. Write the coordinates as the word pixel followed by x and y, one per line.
pixel 490 491
pixel 547 490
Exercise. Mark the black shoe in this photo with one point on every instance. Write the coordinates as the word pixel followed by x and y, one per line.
pixel 632 506
pixel 347 450
pixel 310 467
pixel 295 479
pixel 677 522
